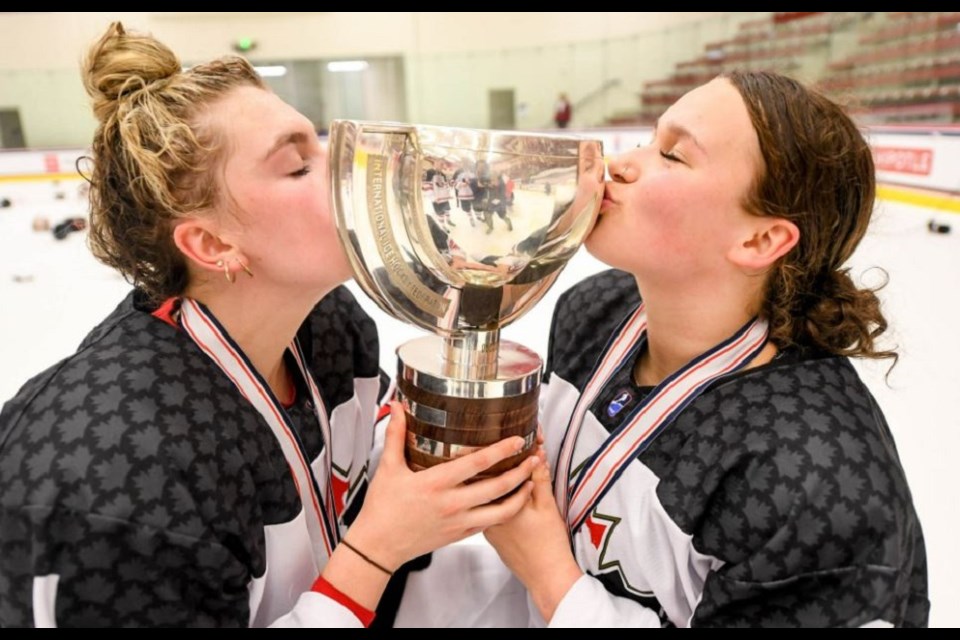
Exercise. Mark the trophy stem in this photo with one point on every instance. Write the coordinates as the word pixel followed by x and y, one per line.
pixel 471 355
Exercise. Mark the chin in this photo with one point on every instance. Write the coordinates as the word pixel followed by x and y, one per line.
pixel 334 277
pixel 345 275
pixel 337 269
pixel 596 247
pixel 612 256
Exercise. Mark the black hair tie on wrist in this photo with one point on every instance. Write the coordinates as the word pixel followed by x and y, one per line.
pixel 366 557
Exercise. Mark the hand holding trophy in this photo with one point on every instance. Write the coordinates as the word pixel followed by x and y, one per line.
pixel 460 232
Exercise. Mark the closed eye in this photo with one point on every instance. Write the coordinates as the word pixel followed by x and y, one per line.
pixel 301 172
pixel 669 156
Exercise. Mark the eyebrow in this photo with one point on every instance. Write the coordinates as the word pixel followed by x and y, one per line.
pixel 681 132
pixel 294 137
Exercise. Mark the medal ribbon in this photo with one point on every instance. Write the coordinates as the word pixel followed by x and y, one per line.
pixel 214 341
pixel 652 415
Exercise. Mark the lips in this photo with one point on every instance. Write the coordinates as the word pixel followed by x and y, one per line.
pixel 607 199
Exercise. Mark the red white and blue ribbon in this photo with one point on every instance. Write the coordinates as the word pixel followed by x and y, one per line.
pixel 577 496
pixel 213 340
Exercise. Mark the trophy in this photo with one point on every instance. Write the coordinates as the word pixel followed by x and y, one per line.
pixel 460 232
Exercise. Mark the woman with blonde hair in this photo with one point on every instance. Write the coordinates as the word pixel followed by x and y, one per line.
pixel 204 458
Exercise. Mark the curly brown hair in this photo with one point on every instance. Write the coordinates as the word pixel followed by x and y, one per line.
pixel 819 174
pixel 155 154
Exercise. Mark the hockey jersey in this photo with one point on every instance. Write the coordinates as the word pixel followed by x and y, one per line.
pixel 138 487
pixel 776 498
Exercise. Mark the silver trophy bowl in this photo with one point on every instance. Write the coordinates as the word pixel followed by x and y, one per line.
pixel 460 232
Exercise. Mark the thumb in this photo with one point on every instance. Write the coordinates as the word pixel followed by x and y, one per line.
pixel 396 435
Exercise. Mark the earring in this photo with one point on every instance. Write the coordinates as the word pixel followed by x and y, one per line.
pixel 245 268
pixel 226 271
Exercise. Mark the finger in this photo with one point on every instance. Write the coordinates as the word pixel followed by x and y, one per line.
pixel 542 486
pixel 484 491
pixel 540 437
pixel 465 467
pixel 396 435
pixel 541 474
pixel 499 512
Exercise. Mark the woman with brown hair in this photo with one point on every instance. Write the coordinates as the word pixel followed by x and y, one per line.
pixel 717 460
pixel 203 459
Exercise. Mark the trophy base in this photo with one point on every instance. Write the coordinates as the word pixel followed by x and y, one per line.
pixel 450 417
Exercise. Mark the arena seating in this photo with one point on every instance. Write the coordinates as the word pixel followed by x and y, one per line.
pixel 887 66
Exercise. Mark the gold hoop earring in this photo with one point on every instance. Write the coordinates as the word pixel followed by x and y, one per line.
pixel 226 271
pixel 244 267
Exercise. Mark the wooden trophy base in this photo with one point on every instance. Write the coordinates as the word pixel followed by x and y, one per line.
pixel 442 426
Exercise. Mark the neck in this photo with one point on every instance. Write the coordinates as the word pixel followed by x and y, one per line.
pixel 263 322
pixel 680 328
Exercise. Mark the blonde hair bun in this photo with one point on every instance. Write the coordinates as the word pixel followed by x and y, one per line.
pixel 122 65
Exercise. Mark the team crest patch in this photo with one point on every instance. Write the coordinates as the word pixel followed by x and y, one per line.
pixel 619 401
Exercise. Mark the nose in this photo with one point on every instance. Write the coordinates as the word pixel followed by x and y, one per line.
pixel 620 170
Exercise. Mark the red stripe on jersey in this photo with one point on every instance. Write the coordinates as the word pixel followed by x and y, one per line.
pixel 166 310
pixel 364 615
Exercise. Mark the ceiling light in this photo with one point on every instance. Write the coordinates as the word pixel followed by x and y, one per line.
pixel 341 66
pixel 275 71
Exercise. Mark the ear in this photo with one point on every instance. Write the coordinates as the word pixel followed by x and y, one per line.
pixel 198 240
pixel 768 241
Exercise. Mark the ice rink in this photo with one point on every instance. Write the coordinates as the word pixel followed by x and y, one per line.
pixel 53 293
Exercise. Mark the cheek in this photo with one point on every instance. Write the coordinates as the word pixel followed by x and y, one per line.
pixel 289 224
pixel 683 210
pixel 302 208
pixel 664 201
pixel 658 222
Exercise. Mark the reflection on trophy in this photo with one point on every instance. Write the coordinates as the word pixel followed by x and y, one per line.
pixel 460 232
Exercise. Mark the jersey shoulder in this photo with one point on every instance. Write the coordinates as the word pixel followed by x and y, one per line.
pixel 585 318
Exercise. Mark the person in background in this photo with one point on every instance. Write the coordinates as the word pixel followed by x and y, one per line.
pixel 716 459
pixel 465 196
pixel 204 458
pixel 562 111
